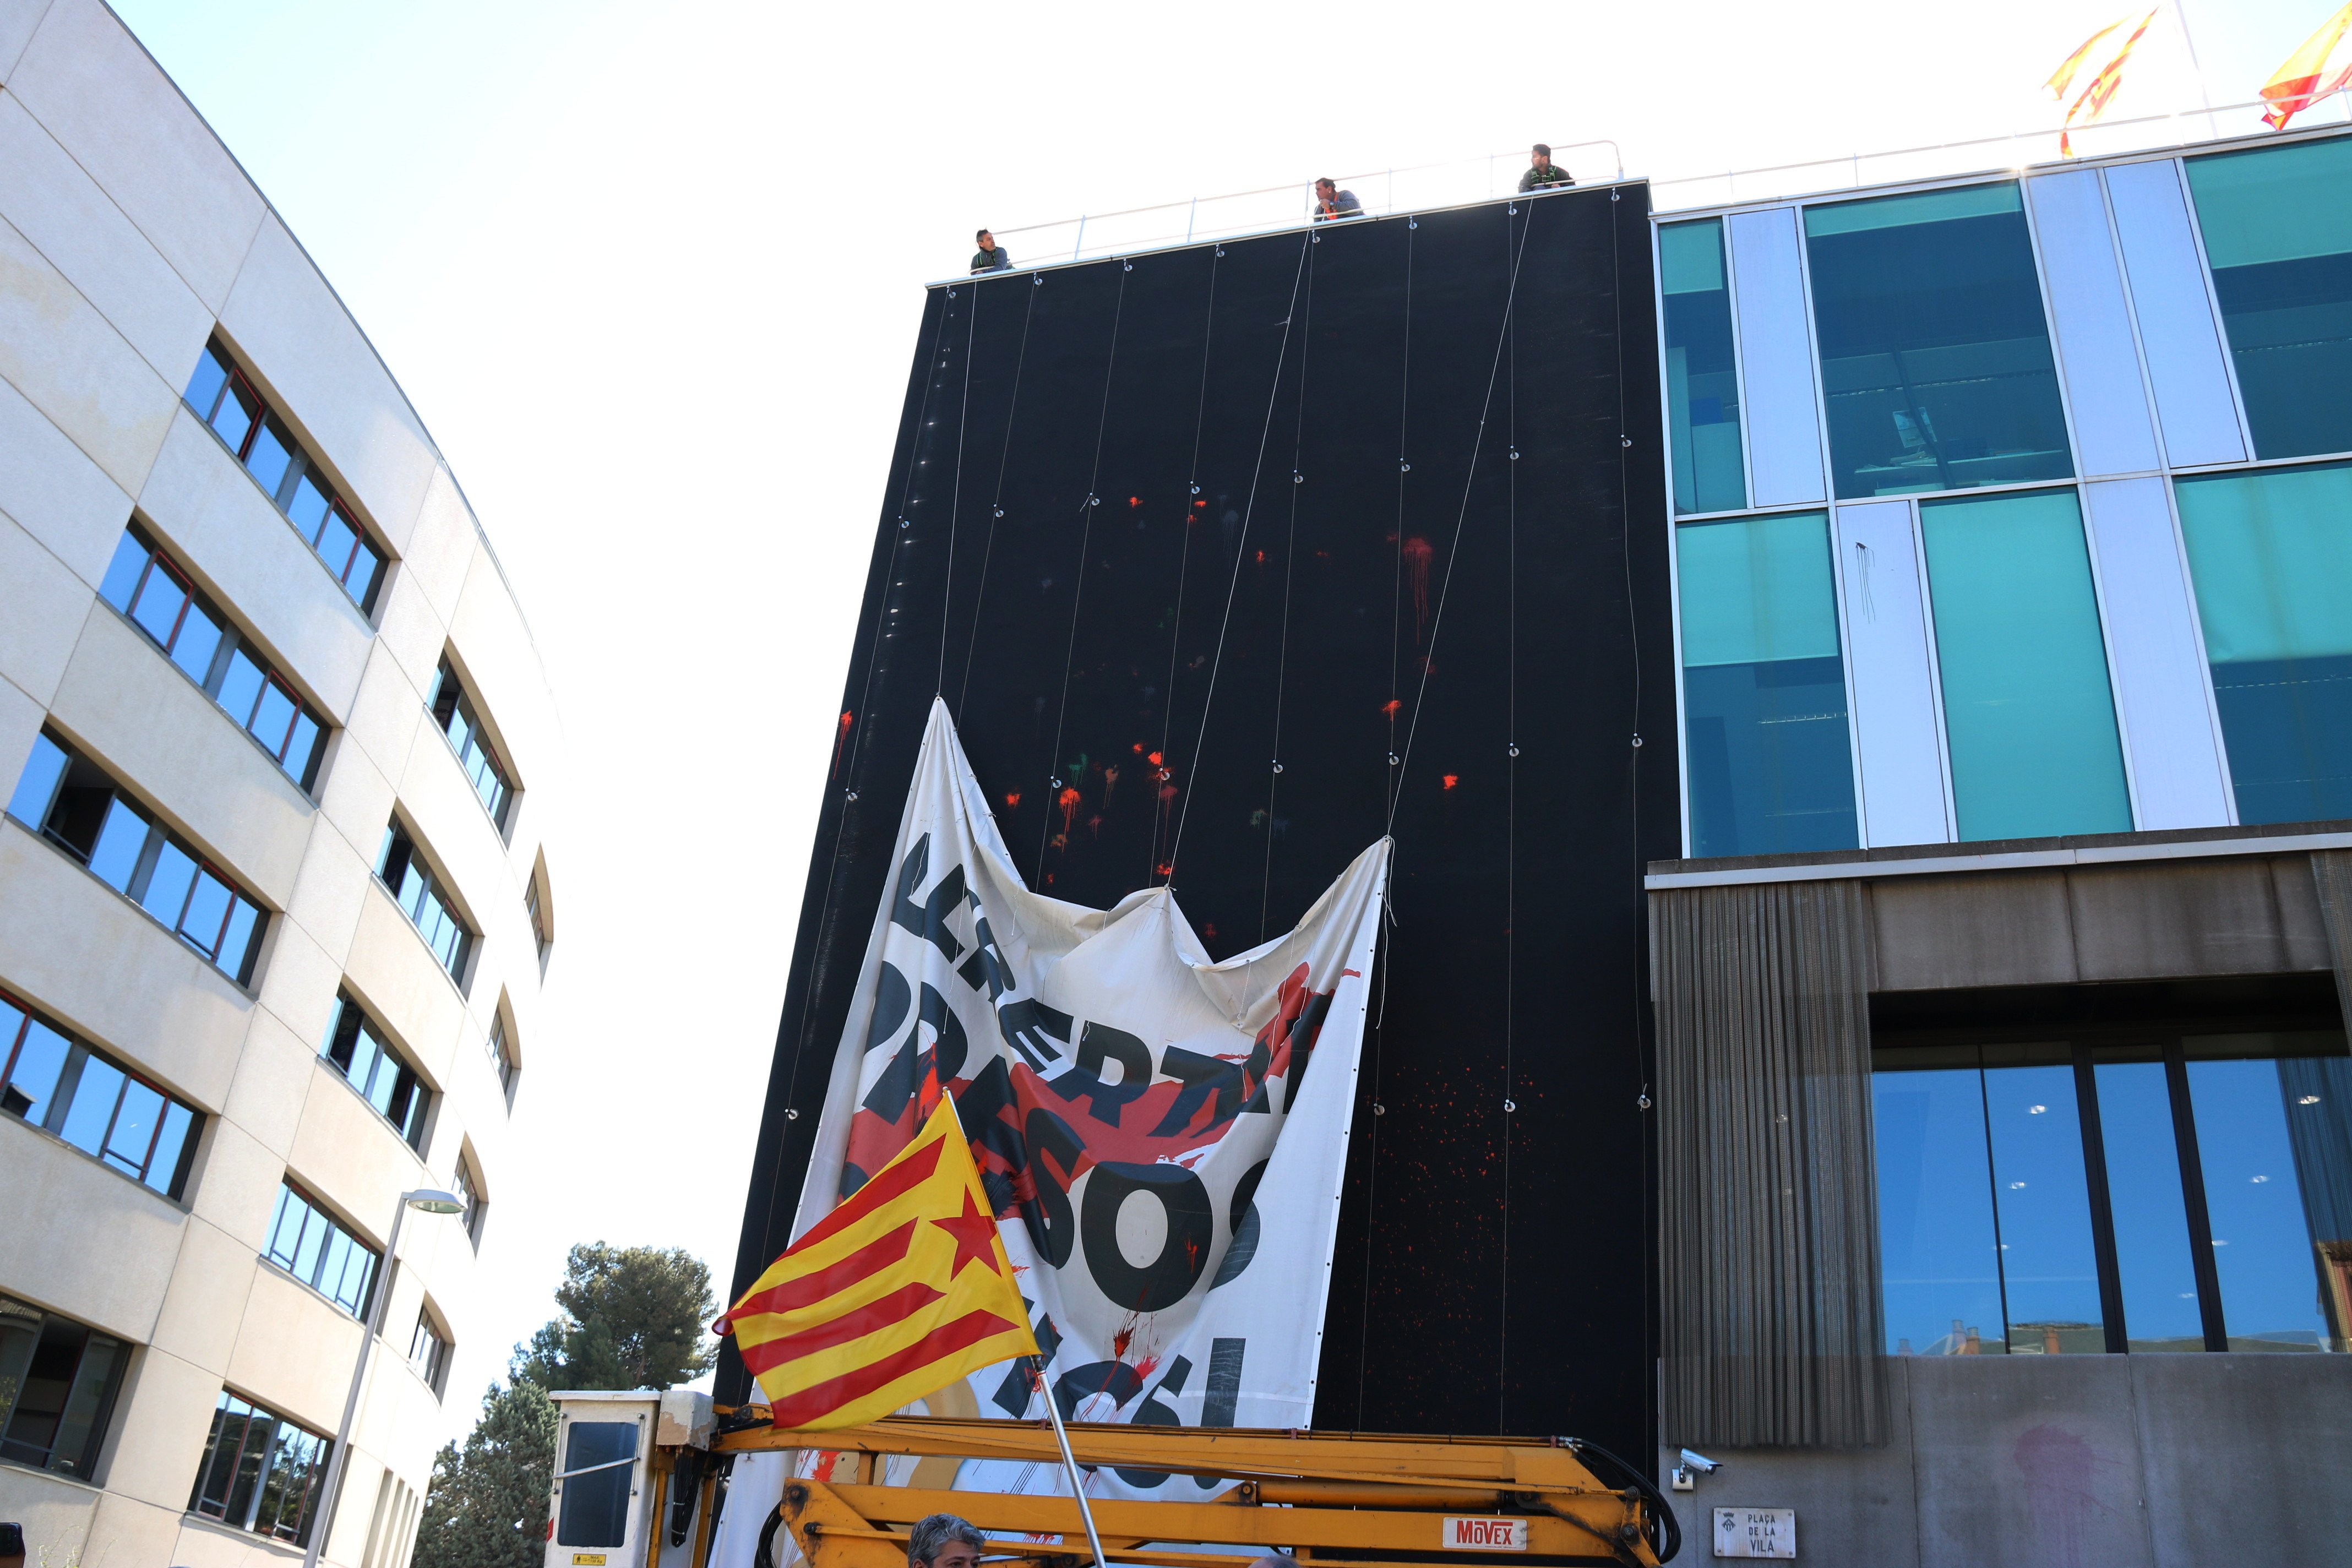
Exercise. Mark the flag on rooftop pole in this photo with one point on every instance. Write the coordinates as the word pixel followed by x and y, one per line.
pixel 2064 77
pixel 900 1291
pixel 2321 67
pixel 2103 85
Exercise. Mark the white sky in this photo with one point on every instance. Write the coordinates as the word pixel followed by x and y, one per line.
pixel 651 275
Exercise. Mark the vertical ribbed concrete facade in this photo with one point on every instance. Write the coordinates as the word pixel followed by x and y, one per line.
pixel 275 907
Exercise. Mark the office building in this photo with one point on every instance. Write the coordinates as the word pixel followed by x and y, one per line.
pixel 279 757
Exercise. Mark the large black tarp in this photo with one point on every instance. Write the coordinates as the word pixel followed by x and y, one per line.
pixel 1209 509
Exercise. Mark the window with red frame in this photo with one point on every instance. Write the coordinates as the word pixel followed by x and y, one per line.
pixel 81 1095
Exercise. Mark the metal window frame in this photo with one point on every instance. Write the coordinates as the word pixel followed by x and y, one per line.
pixel 78 1051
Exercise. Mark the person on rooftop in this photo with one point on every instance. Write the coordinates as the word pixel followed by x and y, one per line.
pixel 992 257
pixel 1330 202
pixel 1543 174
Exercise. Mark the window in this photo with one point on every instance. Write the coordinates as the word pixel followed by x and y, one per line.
pixel 429 1353
pixel 225 400
pixel 2280 243
pixel 158 598
pixel 460 722
pixel 1935 355
pixel 104 1110
pixel 2027 711
pixel 2141 1185
pixel 1763 688
pixel 502 1055
pixel 1702 381
pixel 534 905
pixel 260 1471
pixel 417 891
pixel 57 1384
pixel 2271 552
pixel 356 1049
pixel 470 1219
pixel 592 1506
pixel 72 802
pixel 311 1246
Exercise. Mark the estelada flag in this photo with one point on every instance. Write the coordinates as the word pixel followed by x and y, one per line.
pixel 2103 85
pixel 2322 66
pixel 900 1291
pixel 2064 77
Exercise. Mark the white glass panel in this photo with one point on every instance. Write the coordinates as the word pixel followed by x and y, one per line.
pixel 2193 401
pixel 1776 359
pixel 1893 697
pixel 2094 330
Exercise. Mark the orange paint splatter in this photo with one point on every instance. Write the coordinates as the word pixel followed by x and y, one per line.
pixel 839 740
pixel 1155 759
pixel 1452 779
pixel 1013 801
pixel 1418 553
pixel 1261 557
pixel 1135 501
pixel 1119 1342
pixel 1139 749
pixel 1068 801
pixel 1392 706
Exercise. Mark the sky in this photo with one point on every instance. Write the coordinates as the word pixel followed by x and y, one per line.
pixel 652 276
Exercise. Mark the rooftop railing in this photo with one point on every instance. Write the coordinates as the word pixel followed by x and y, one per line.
pixel 1426 187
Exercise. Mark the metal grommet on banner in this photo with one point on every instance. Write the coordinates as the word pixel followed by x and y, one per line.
pixel 1379 1109
pixel 905 522
pixel 1515 454
pixel 1054 784
pixel 1296 478
pixel 1196 490
pixel 1514 748
pixel 1277 767
pixel 851 796
pixel 790 1114
pixel 1645 1102
pixel 1509 1105
pixel 1637 742
pixel 1394 761
pixel 1403 468
pixel 1624 440
pixel 1000 511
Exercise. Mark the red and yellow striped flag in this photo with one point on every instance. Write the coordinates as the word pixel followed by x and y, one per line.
pixel 2103 85
pixel 901 1289
pixel 2322 66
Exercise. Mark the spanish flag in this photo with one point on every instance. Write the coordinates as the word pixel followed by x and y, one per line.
pixel 901 1289
pixel 2322 66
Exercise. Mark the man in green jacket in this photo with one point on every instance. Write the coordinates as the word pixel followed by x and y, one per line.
pixel 1542 173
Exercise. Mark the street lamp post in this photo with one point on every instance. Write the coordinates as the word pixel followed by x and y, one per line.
pixel 424 1200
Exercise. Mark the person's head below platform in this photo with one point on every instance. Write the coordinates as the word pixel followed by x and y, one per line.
pixel 942 1540
pixel 1540 157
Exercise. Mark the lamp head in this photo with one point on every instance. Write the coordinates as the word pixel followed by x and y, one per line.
pixel 426 1201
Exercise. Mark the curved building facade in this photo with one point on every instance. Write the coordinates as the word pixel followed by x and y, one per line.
pixel 274 912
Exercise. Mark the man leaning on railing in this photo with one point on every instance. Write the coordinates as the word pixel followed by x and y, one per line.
pixel 1330 202
pixel 1543 174
pixel 992 257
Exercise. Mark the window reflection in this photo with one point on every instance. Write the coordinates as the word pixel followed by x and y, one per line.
pixel 2158 1269
pixel 1936 1243
pixel 2049 1264
pixel 1935 354
pixel 1771 766
pixel 2269 553
pixel 1702 379
pixel 2282 258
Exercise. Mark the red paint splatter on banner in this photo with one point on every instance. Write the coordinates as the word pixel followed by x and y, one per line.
pixel 1210 930
pixel 1135 501
pixel 1199 505
pixel 1164 870
pixel 1139 748
pixel 1120 1341
pixel 1110 782
pixel 1013 801
pixel 1069 801
pixel 839 740
pixel 1418 553
pixel 1392 706
pixel 1452 779
pixel 1261 557
pixel 1155 759
pixel 1094 825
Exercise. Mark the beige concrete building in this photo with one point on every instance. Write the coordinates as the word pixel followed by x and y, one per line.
pixel 274 912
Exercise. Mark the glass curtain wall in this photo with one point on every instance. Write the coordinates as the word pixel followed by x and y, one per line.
pixel 1764 706
pixel 2278 233
pixel 2027 708
pixel 1936 356
pixel 1702 374
pixel 2175 1194
pixel 2269 553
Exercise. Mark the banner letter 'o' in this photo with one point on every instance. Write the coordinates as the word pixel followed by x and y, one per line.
pixel 1183 1255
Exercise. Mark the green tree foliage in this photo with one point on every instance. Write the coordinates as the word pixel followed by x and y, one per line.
pixel 487 1507
pixel 634 1317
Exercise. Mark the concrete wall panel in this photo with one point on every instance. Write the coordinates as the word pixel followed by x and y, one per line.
pixel 206 1297
pixel 37 634
pixel 2272 1427
pixel 355 801
pixel 397 976
pixel 156 730
pixel 272 1083
pixel 92 85
pixel 350 1156
pixel 85 236
pixel 57 1514
pixel 2197 917
pixel 294 1350
pixel 126 1530
pixel 161 1418
pixel 110 1268
pixel 235 1185
pixel 329 890
pixel 495 649
pixel 216 520
pixel 77 948
pixel 297 981
pixel 442 548
pixel 1938 932
pixel 53 489
pixel 18 18
pixel 72 364
pixel 329 384
pixel 386 717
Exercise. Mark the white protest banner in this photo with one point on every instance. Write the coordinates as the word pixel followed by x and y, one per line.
pixel 1164 1166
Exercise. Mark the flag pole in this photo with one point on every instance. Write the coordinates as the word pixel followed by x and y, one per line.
pixel 1069 1464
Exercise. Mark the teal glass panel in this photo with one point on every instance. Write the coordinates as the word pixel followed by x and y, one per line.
pixel 2151 1216
pixel 2278 232
pixel 1702 376
pixel 2049 1264
pixel 2271 554
pixel 1764 708
pixel 1937 1252
pixel 1934 353
pixel 2031 720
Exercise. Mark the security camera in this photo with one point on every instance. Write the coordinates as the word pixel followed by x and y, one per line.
pixel 1701 1463
pixel 1685 1475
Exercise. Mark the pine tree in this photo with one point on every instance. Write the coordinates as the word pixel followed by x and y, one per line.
pixel 488 1507
pixel 634 1317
